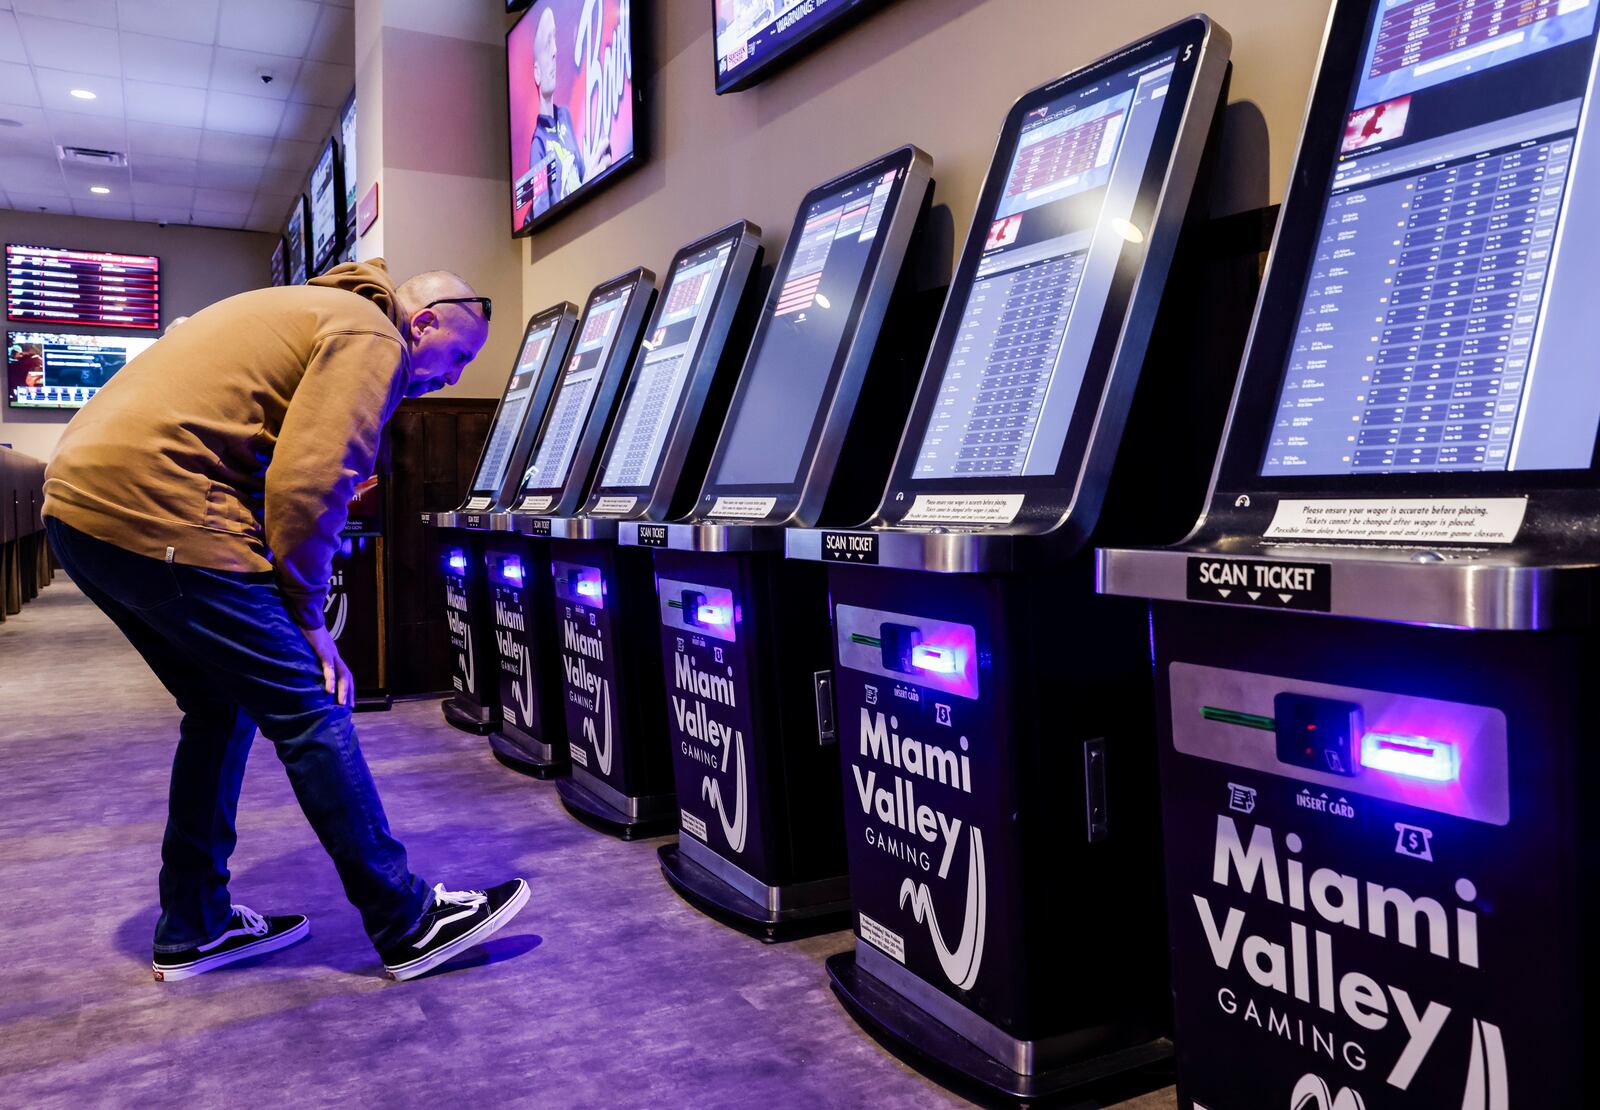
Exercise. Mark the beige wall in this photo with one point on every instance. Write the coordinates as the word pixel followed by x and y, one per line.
pixel 440 160
pixel 938 73
pixel 199 265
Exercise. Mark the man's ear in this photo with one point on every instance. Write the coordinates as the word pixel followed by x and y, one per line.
pixel 423 321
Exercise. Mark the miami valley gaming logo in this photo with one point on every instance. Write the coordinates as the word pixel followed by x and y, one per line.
pixel 889 792
pixel 711 738
pixel 1301 968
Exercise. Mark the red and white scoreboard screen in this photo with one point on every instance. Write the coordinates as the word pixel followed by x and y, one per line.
pixel 51 285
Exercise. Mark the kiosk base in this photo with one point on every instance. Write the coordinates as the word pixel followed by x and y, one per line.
pixel 600 807
pixel 782 913
pixel 373 703
pixel 923 1042
pixel 527 757
pixel 468 717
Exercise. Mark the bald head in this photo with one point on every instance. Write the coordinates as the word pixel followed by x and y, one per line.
pixel 544 57
pixel 443 337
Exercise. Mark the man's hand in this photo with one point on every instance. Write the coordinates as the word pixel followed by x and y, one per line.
pixel 335 675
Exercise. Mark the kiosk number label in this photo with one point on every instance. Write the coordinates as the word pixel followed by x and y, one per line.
pixel 1263 582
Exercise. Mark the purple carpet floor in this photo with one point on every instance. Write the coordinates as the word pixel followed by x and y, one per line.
pixel 607 991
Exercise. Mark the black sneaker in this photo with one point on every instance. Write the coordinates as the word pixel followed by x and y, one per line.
pixel 247 934
pixel 457 920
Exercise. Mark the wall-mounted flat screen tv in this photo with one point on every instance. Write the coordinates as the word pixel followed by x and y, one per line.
pixel 576 115
pixel 280 263
pixel 55 285
pixel 50 370
pixel 294 236
pixel 347 151
pixel 327 208
pixel 754 38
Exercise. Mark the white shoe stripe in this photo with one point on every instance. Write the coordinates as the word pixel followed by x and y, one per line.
pixel 440 924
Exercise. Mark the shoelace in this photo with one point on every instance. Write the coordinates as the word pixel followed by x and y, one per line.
pixel 470 899
pixel 252 920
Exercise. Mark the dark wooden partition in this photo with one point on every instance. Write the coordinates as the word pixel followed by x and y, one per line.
pixel 432 446
pixel 25 566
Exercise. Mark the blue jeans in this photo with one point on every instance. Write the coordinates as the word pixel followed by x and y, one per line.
pixel 225 647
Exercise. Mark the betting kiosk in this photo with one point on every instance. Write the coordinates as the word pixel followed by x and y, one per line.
pixel 994 718
pixel 809 434
pixel 355 611
pixel 1375 654
pixel 537 719
pixel 461 533
pixel 651 468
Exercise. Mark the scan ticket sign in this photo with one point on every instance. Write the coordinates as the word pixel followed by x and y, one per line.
pixel 1339 942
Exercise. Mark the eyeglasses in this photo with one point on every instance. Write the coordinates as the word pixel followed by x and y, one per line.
pixel 488 305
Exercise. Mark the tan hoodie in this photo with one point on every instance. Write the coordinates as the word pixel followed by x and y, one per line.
pixel 237 440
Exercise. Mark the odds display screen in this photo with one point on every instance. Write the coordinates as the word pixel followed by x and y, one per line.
pixel 656 387
pixel 326 212
pixel 514 407
pixel 569 67
pixel 809 310
pixel 280 273
pixel 574 397
pixel 294 237
pixel 52 285
pixel 1446 320
pixel 347 151
pixel 751 35
pixel 1058 227
pixel 47 370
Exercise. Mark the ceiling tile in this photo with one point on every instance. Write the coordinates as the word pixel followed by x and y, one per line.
pixel 80 178
pixel 285 181
pixel 164 171
pixel 233 201
pixel 224 146
pixel 334 40
pixel 152 103
pixel 21 174
pixel 103 209
pixel 190 20
pixel 281 27
pixel 229 220
pixel 156 213
pixel 40 202
pixel 16 84
pixel 271 207
pixel 55 91
pixel 226 175
pixel 341 3
pixel 34 134
pixel 261 222
pixel 325 84
pixel 57 44
pixel 101 13
pixel 289 154
pixel 10 39
pixel 72 129
pixel 245 115
pixel 163 196
pixel 166 61
pixel 306 122
pixel 239 71
pixel 162 140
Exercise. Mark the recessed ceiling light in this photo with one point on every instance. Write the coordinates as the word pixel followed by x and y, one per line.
pixel 7 122
pixel 100 190
pixel 83 94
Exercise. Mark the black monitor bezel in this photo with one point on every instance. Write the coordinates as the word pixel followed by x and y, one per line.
pixel 639 37
pixel 321 259
pixel 787 495
pixel 1048 497
pixel 304 208
pixel 563 313
pixel 744 239
pixel 562 497
pixel 5 278
pixel 1265 361
pixel 847 16
pixel 347 152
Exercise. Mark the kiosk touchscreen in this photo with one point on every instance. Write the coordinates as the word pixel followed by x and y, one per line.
pixel 1374 655
pixel 459 533
pixel 824 386
pixel 551 476
pixel 993 712
pixel 652 465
